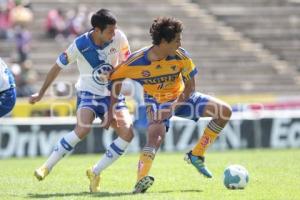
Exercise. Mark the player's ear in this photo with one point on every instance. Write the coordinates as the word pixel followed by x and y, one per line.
pixel 96 29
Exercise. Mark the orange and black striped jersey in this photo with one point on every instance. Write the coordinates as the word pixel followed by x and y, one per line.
pixel 162 80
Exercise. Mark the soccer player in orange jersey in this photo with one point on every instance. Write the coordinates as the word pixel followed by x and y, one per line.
pixel 167 74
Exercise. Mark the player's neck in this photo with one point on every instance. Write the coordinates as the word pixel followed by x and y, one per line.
pixel 156 53
pixel 97 40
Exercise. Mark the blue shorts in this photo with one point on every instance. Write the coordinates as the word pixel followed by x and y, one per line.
pixel 192 109
pixel 98 104
pixel 7 101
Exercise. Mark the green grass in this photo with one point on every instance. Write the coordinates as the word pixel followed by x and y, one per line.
pixel 274 175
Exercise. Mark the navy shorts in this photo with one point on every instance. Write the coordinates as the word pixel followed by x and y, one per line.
pixel 191 109
pixel 98 104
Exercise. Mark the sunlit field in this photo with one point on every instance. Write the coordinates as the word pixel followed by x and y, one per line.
pixel 274 174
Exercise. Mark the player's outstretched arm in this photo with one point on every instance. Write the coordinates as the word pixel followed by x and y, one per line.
pixel 115 92
pixel 189 88
pixel 52 74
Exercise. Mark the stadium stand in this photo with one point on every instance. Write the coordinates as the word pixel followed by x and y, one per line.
pixel 273 25
pixel 239 46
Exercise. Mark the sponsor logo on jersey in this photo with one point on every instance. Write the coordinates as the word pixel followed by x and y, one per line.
pixel 113 51
pixel 160 79
pixel 146 73
pixel 101 74
pixel 86 49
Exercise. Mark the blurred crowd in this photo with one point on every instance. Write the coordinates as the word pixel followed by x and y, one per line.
pixel 67 24
pixel 16 17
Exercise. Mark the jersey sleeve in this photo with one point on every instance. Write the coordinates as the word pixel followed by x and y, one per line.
pixel 125 48
pixel 189 69
pixel 68 57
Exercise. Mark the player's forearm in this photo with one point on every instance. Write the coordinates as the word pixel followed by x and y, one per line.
pixel 188 90
pixel 116 90
pixel 52 74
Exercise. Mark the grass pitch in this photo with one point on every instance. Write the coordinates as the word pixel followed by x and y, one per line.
pixel 274 175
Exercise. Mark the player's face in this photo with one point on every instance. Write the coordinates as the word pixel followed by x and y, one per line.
pixel 108 33
pixel 174 44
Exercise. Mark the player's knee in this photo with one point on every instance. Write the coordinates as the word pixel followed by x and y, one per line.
pixel 126 134
pixel 82 131
pixel 129 135
pixel 226 112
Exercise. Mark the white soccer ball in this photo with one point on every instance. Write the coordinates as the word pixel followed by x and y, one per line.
pixel 236 177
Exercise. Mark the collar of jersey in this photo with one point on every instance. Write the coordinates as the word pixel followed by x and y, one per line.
pixel 146 51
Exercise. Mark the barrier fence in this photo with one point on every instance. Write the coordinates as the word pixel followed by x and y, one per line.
pixel 37 136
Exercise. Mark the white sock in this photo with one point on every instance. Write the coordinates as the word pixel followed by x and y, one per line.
pixel 113 152
pixel 64 145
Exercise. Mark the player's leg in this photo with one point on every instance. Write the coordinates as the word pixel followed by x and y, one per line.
pixel 7 101
pixel 207 106
pixel 155 136
pixel 65 145
pixel 123 127
pixel 220 112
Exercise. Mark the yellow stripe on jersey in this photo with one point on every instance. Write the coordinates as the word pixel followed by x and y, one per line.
pixel 181 55
pixel 163 80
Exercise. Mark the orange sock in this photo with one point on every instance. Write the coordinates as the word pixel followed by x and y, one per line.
pixel 208 137
pixel 145 162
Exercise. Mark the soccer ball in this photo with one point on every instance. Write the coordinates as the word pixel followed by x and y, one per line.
pixel 236 177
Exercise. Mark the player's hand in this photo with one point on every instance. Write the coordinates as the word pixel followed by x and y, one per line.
pixel 35 98
pixel 163 115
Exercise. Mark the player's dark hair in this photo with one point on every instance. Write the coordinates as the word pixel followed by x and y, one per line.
pixel 165 28
pixel 102 18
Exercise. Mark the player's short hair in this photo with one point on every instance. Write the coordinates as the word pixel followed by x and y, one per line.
pixel 102 18
pixel 165 28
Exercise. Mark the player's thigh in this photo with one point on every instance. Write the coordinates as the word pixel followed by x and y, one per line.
pixel 155 134
pixel 216 108
pixel 85 117
pixel 122 124
pixel 193 108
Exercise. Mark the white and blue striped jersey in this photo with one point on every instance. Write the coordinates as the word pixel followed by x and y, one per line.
pixel 95 63
pixel 6 78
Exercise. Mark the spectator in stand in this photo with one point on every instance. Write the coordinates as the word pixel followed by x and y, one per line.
pixel 25 3
pixel 56 23
pixel 5 20
pixel 23 43
pixel 78 22
pixel 21 17
pixel 25 78
pixel 28 79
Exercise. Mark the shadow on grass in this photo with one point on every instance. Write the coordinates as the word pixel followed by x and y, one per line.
pixel 181 191
pixel 100 194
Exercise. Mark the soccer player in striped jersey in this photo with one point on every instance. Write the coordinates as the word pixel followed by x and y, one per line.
pixel 167 74
pixel 7 89
pixel 96 52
